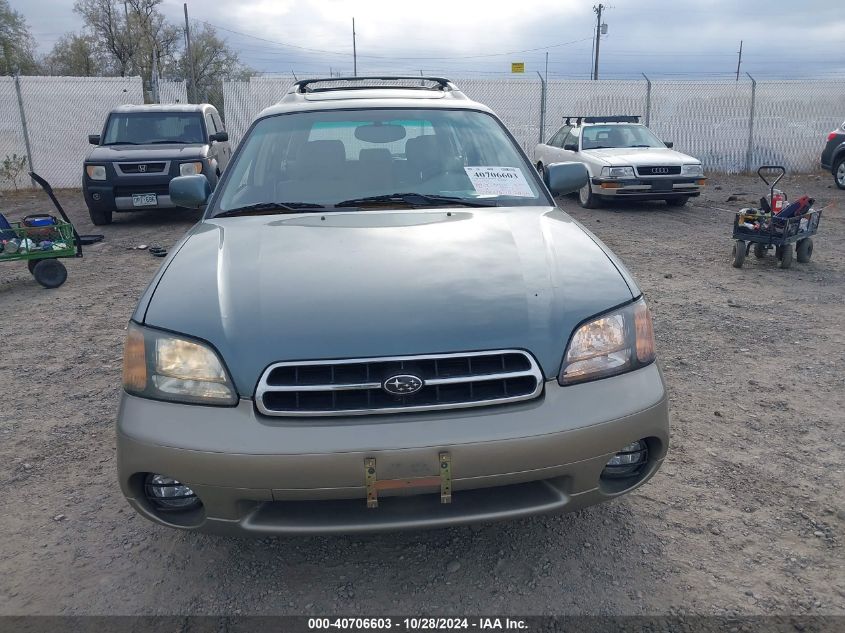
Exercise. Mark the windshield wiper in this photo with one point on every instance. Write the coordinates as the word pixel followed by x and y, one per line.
pixel 121 143
pixel 420 199
pixel 265 208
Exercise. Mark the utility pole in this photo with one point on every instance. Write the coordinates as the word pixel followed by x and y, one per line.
pixel 354 52
pixel 547 67
pixel 739 61
pixel 190 56
pixel 598 9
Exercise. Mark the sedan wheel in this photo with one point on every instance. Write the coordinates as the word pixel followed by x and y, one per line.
pixel 586 197
pixel 839 174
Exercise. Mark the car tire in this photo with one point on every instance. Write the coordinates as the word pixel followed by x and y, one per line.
pixel 786 256
pixel 804 251
pixel 100 217
pixel 759 250
pixel 839 173
pixel 738 254
pixel 677 202
pixel 50 273
pixel 30 263
pixel 587 198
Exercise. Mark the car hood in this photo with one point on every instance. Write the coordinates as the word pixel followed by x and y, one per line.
pixel 106 153
pixel 263 289
pixel 636 156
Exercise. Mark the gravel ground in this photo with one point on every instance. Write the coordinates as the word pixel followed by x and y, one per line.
pixel 746 517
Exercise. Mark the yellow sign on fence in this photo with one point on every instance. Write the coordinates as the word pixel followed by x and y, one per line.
pixel 517 67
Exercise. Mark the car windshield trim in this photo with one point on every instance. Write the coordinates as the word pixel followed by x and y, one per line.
pixel 415 199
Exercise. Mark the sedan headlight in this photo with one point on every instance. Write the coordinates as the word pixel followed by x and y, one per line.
pixel 611 344
pixel 190 169
pixel 96 172
pixel 617 172
pixel 692 170
pixel 164 366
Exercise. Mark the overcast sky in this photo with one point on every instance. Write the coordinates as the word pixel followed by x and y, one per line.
pixel 782 38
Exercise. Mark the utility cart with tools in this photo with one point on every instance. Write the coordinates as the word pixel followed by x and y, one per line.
pixel 41 240
pixel 776 224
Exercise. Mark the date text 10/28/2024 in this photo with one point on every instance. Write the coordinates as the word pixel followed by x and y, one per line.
pixel 418 624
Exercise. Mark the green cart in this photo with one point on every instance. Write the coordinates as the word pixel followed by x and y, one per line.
pixel 42 241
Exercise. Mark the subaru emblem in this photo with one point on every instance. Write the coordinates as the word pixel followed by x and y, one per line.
pixel 402 385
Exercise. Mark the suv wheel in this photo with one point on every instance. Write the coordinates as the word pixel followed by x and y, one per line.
pixel 586 197
pixel 100 217
pixel 839 173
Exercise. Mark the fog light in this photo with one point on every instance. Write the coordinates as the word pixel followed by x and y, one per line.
pixel 628 461
pixel 167 493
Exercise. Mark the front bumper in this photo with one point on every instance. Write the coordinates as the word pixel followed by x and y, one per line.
pixel 648 188
pixel 289 476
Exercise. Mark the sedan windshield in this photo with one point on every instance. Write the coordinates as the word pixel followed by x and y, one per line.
pixel 376 158
pixel 144 128
pixel 602 136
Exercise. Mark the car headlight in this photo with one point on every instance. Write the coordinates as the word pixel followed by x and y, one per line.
pixel 617 172
pixel 165 366
pixel 611 344
pixel 190 169
pixel 96 172
pixel 692 170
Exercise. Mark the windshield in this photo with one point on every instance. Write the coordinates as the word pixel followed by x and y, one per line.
pixel 351 158
pixel 599 136
pixel 140 128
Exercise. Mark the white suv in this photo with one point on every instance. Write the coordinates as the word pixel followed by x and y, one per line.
pixel 625 160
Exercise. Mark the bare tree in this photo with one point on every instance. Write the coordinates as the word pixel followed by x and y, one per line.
pixel 108 21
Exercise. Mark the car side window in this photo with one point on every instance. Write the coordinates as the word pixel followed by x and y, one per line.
pixel 218 123
pixel 571 137
pixel 557 139
pixel 211 128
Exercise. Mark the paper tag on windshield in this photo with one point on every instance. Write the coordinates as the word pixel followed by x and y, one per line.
pixel 499 181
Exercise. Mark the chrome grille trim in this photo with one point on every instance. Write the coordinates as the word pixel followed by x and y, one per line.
pixel 336 389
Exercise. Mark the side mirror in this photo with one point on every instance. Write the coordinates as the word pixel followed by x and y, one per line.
pixel 571 147
pixel 191 192
pixel 669 144
pixel 566 178
pixel 94 139
pixel 219 137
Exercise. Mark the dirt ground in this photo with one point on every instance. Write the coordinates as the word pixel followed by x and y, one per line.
pixel 746 517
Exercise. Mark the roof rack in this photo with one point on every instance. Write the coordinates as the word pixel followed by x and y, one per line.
pixel 623 118
pixel 365 83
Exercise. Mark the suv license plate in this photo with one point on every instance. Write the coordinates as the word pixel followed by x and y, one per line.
pixel 144 199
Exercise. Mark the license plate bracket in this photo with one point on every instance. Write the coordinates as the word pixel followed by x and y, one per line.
pixel 443 479
pixel 144 199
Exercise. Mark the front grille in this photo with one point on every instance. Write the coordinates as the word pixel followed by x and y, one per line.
pixel 356 386
pixel 142 168
pixel 124 192
pixel 659 170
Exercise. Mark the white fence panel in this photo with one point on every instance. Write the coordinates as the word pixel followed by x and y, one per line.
pixel 60 114
pixel 172 91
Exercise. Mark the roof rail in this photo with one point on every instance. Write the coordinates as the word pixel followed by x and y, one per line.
pixel 307 85
pixel 622 118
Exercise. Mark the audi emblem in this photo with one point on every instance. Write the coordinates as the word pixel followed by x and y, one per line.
pixel 402 385
pixel 659 170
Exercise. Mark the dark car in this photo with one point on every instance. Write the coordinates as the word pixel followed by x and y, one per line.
pixel 833 155
pixel 142 148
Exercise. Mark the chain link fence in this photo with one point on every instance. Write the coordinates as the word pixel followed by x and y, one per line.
pixel 730 126
pixel 56 115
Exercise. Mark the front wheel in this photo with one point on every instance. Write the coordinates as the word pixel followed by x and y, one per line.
pixel 677 202
pixel 100 217
pixel 50 273
pixel 805 250
pixel 738 254
pixel 839 173
pixel 786 256
pixel 586 197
